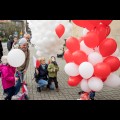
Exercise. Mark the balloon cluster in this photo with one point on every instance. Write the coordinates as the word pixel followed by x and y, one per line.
pixel 91 60
pixel 48 35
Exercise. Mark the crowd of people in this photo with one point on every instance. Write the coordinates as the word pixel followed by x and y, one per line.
pixel 13 78
pixel 45 73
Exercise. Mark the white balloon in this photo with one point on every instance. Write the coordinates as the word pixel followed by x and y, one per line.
pixel 84 48
pixel 84 86
pixel 46 37
pixel 95 84
pixel 38 53
pixel 112 81
pixel 16 57
pixel 96 49
pixel 37 48
pixel 95 58
pixel 86 70
pixel 71 69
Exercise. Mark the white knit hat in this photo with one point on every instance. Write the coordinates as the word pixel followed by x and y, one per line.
pixel 4 59
pixel 22 41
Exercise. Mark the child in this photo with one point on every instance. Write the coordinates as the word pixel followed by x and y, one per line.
pixel 52 72
pixel 8 79
pixel 15 44
pixel 84 96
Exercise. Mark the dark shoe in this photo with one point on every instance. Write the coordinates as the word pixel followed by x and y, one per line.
pixel 26 97
pixel 38 89
pixel 92 98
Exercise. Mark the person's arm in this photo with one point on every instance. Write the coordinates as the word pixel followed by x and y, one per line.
pixel 56 68
pixel 27 61
pixel 50 68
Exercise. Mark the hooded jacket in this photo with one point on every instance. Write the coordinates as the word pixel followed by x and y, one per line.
pixel 7 75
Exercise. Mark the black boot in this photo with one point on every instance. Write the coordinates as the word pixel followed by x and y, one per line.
pixel 38 89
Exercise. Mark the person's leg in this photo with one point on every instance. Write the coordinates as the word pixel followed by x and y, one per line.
pixel 17 86
pixel 56 84
pixel 49 82
pixel 21 77
pixel 42 83
pixel 92 95
pixel 10 93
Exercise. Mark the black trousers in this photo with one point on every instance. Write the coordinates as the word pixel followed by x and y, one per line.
pixel 10 92
pixel 1 54
pixel 54 80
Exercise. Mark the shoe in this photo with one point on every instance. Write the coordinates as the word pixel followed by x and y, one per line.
pixel 38 89
pixel 91 98
pixel 19 94
pixel 57 89
pixel 15 97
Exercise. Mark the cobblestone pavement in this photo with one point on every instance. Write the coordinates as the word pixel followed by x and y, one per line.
pixel 66 92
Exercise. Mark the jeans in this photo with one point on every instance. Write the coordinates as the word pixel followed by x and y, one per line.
pixel 20 75
pixel 10 92
pixel 42 83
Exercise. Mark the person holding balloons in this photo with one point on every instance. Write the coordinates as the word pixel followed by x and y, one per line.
pixel 8 79
pixel 23 45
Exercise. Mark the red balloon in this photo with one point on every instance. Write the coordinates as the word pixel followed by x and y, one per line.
pixel 81 23
pixel 104 79
pixel 37 63
pixel 101 30
pixel 108 47
pixel 72 44
pixel 60 29
pixel 79 57
pixel 106 22
pixel 108 29
pixel 74 81
pixel 91 39
pixel 68 56
pixel 102 70
pixel 84 24
pixel 95 22
pixel 114 62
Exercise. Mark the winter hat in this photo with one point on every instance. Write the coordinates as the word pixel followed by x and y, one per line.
pixel 22 41
pixel 4 59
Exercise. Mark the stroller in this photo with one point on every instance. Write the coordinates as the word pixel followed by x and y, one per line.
pixel 24 90
pixel 24 95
